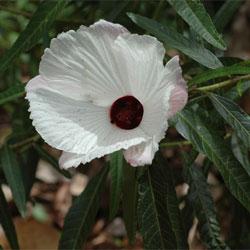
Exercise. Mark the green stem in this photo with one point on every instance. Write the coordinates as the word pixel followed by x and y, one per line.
pixel 22 143
pixel 222 84
pixel 183 143
pixel 29 15
pixel 157 10
pixel 175 144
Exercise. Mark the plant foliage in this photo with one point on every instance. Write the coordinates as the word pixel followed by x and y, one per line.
pixel 212 133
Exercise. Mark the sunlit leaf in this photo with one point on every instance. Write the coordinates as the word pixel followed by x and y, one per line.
pixel 219 72
pixel 13 175
pixel 159 216
pixel 225 13
pixel 36 28
pixel 6 222
pixel 12 93
pixel 50 159
pixel 171 38
pixel 129 201
pixel 116 163
pixel 81 216
pixel 194 13
pixel 200 197
pixel 205 140
pixel 234 115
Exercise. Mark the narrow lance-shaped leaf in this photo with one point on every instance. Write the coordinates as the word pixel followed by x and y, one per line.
pixel 159 216
pixel 12 93
pixel 174 39
pixel 36 28
pixel 234 115
pixel 190 126
pixel 28 162
pixel 6 222
pixel 206 165
pixel 219 72
pixel 237 91
pixel 241 152
pixel 13 175
pixel 50 159
pixel 129 201
pixel 81 216
pixel 200 197
pixel 116 163
pixel 225 13
pixel 188 217
pixel 194 13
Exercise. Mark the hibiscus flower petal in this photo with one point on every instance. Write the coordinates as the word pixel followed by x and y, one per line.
pixel 76 126
pixel 84 60
pixel 141 65
pixel 140 60
pixel 68 160
pixel 178 97
pixel 141 154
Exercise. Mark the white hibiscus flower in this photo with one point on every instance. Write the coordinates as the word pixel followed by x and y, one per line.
pixel 101 89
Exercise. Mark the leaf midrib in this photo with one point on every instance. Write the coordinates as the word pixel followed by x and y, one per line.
pixel 14 183
pixel 228 170
pixel 16 51
pixel 88 207
pixel 232 115
pixel 201 23
pixel 199 195
pixel 155 209
pixel 117 184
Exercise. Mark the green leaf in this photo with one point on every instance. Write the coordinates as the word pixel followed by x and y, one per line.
pixel 50 159
pixel 1 248
pixel 81 216
pixel 173 39
pixel 13 175
pixel 188 217
pixel 225 13
pixel 38 25
pixel 159 216
pixel 235 92
pixel 129 201
pixel 111 17
pixel 205 140
pixel 12 93
pixel 234 115
pixel 6 222
pixel 29 161
pixel 219 72
pixel 206 165
pixel 200 198
pixel 194 13
pixel 116 163
pixel 241 152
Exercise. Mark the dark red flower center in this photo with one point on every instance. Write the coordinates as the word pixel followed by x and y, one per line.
pixel 126 112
